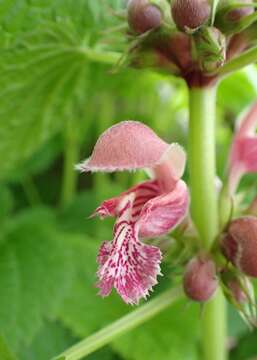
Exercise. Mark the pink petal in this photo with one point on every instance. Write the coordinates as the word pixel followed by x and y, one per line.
pixel 248 122
pixel 125 146
pixel 143 193
pixel 243 160
pixel 163 213
pixel 104 252
pixel 243 154
pixel 171 167
pixel 107 208
pixel 127 264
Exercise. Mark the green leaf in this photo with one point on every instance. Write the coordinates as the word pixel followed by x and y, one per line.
pixel 236 325
pixel 234 98
pixel 35 273
pixel 5 353
pixel 74 218
pixel 246 348
pixel 171 335
pixel 53 339
pixel 49 341
pixel 83 311
pixel 6 201
pixel 39 162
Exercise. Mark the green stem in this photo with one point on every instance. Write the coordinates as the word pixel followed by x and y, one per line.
pixel 121 326
pixel 202 163
pixel 71 155
pixel 204 207
pixel 100 56
pixel 247 58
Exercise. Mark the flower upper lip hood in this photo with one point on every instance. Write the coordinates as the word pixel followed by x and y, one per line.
pixel 243 156
pixel 131 145
pixel 149 209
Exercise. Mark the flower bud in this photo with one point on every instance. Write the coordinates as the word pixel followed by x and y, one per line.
pixel 237 14
pixel 181 50
pixel 177 48
pixel 211 48
pixel 237 44
pixel 190 14
pixel 237 291
pixel 200 280
pixel 239 244
pixel 230 18
pixel 143 16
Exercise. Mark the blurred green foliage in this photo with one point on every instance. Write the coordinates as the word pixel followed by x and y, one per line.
pixel 52 97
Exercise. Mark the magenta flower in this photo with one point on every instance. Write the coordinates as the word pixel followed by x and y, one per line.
pixel 152 208
pixel 243 156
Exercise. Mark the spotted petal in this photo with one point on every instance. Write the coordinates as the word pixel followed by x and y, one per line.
pixel 107 208
pixel 163 213
pixel 127 264
pixel 143 193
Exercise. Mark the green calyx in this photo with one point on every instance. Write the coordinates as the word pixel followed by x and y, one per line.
pixel 210 46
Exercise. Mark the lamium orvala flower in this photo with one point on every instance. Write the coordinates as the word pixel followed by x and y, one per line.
pixel 150 209
pixel 243 156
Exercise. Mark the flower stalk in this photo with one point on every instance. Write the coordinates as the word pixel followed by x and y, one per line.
pixel 121 326
pixel 204 207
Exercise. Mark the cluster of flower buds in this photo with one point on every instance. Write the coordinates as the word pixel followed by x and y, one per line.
pixel 186 38
pixel 239 246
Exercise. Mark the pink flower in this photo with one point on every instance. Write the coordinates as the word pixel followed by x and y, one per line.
pixel 243 156
pixel 152 208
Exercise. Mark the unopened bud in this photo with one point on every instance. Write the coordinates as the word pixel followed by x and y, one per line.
pixel 230 18
pixel 236 286
pixel 237 291
pixel 236 14
pixel 143 16
pixel 190 14
pixel 179 50
pixel 239 244
pixel 237 44
pixel 200 280
pixel 211 48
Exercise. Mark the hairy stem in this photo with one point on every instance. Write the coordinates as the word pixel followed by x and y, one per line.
pixel 204 207
pixel 121 326
pixel 71 154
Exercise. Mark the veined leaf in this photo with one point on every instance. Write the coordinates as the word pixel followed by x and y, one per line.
pixel 35 273
pixel 173 334
pixel 52 339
